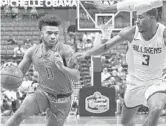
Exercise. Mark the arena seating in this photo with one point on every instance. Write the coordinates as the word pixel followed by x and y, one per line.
pixel 19 30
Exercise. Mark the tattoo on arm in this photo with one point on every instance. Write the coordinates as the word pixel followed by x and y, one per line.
pixel 64 61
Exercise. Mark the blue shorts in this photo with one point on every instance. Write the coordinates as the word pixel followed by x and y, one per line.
pixel 57 108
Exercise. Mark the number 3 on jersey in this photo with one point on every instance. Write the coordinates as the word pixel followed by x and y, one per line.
pixel 147 58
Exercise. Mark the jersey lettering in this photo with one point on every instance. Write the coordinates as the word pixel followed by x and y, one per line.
pixel 149 50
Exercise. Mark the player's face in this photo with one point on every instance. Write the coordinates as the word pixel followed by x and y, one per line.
pixel 50 35
pixel 143 22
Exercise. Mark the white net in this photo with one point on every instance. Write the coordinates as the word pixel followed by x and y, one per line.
pixel 106 30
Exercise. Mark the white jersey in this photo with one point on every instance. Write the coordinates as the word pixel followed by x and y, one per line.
pixel 146 59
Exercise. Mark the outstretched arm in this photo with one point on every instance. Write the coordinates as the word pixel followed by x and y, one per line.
pixel 27 60
pixel 126 34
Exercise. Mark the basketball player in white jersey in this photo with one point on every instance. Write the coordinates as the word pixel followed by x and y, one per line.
pixel 146 60
pixel 54 62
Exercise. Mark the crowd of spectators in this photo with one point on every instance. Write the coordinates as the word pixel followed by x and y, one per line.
pixel 79 41
pixel 14 12
pixel 21 47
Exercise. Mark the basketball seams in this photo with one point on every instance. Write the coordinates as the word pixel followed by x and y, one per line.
pixel 15 67
pixel 12 75
pixel 11 84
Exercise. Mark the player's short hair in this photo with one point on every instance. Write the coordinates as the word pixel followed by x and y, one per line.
pixel 49 20
pixel 153 12
pixel 71 28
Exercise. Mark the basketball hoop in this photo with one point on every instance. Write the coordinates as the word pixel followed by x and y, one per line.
pixel 106 30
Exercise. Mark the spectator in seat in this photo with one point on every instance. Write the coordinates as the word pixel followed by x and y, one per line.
pixel 19 50
pixel 7 11
pixel 71 31
pixel 88 40
pixel 11 40
pixel 15 12
pixel 27 43
pixel 105 77
pixel 80 45
pixel 89 43
pixel 6 108
pixel 25 14
pixel 33 13
pixel 16 102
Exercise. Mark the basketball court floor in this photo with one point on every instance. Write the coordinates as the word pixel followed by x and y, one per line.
pixel 84 121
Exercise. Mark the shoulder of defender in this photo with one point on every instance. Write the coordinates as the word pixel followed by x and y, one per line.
pixel 127 32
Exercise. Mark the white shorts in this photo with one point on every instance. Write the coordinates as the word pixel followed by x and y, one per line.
pixel 138 92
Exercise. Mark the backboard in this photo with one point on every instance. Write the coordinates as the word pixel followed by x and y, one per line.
pixel 89 18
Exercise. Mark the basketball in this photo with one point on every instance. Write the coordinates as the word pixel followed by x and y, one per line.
pixel 11 77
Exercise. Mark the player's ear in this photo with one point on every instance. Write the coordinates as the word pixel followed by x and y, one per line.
pixel 152 18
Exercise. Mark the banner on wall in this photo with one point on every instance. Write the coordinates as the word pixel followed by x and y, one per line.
pixel 39 3
pixel 45 3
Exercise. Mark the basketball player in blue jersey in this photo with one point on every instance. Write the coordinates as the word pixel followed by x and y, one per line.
pixel 54 62
pixel 146 58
